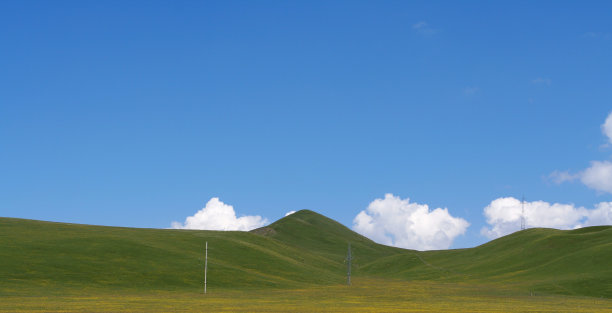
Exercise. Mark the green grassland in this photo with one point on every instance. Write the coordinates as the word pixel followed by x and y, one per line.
pixel 297 264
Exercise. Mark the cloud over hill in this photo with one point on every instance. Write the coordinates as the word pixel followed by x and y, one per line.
pixel 504 216
pixel 217 215
pixel 399 222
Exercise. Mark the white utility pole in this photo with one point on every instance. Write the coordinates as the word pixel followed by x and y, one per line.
pixel 205 266
pixel 349 258
pixel 523 223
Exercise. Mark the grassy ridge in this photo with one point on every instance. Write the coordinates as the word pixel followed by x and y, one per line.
pixel 302 250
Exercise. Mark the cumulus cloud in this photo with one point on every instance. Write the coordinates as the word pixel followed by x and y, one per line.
pixel 399 222
pixel 601 215
pixel 599 175
pixel 504 216
pixel 217 215
pixel 289 213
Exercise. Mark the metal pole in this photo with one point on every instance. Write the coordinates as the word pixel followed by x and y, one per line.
pixel 349 257
pixel 523 213
pixel 205 266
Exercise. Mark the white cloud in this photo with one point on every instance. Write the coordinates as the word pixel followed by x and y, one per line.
pixel 606 128
pixel 542 81
pixel 601 215
pixel 220 216
pixel 396 222
pixel 599 175
pixel 504 216
pixel 289 213
pixel 423 28
pixel 559 177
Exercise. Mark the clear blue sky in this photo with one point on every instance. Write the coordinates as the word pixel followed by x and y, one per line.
pixel 136 113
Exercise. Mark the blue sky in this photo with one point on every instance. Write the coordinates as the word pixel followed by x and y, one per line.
pixel 138 113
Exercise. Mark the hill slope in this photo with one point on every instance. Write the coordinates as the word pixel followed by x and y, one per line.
pixel 44 253
pixel 302 249
pixel 568 262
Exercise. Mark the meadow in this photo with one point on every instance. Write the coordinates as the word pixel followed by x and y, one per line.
pixel 365 295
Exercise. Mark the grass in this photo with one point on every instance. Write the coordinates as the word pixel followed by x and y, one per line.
pixel 366 295
pixel 296 263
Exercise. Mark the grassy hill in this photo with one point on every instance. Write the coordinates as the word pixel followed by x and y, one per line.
pixel 314 233
pixel 44 253
pixel 575 262
pixel 303 249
